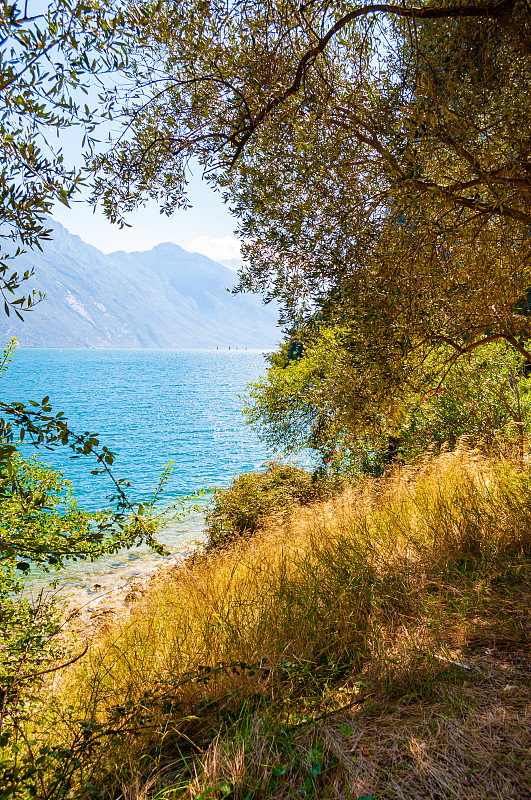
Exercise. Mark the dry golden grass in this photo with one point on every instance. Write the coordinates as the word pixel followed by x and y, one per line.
pixel 377 645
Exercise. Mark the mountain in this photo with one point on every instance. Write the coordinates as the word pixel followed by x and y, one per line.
pixel 232 263
pixel 161 298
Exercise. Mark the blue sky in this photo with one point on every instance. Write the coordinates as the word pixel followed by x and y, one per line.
pixel 205 228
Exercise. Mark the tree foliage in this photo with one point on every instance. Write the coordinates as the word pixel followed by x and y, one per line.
pixel 377 157
pixel 313 401
pixel 57 65
pixel 55 59
pixel 486 397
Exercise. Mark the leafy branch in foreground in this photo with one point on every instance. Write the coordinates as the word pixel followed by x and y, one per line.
pixel 55 58
pixel 35 424
pixel 42 526
pixel 29 492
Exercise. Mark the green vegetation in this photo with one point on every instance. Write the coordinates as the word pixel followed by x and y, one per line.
pixel 41 525
pixel 376 158
pixel 485 397
pixel 309 401
pixel 376 645
pixel 254 498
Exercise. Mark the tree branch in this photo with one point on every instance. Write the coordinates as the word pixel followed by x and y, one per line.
pixel 417 13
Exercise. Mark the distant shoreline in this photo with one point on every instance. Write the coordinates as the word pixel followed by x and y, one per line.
pixel 221 349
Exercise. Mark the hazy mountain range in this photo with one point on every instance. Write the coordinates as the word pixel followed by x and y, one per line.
pixel 164 297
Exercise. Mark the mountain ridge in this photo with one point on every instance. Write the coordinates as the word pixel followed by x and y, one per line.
pixel 165 297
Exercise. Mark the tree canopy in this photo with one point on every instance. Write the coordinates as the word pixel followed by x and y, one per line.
pixel 377 157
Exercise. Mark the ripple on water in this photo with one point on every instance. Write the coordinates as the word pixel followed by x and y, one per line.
pixel 150 407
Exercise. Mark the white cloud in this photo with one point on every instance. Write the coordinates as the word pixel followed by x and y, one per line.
pixel 219 248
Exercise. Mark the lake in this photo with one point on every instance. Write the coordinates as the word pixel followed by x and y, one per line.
pixel 150 407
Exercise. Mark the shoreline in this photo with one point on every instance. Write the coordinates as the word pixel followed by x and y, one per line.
pixel 86 581
pixel 88 618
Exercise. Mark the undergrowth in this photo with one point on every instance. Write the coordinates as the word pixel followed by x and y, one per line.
pixel 255 499
pixel 373 646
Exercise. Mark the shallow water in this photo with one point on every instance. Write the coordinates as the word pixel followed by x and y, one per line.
pixel 149 407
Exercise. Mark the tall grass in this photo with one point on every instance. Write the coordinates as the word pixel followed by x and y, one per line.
pixel 260 670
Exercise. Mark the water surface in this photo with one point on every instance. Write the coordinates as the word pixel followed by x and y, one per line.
pixel 150 407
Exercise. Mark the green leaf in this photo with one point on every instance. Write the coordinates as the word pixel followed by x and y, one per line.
pixel 206 795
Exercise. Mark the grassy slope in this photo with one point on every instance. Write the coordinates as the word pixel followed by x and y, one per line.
pixel 377 645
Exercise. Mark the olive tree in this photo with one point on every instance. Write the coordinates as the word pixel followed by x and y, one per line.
pixel 55 64
pixel 376 156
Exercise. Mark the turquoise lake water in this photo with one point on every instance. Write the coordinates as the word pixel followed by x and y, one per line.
pixel 149 407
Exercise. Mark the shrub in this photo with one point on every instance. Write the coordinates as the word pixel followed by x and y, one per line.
pixel 255 497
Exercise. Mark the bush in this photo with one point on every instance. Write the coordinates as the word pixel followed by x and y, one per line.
pixel 255 497
pixel 485 397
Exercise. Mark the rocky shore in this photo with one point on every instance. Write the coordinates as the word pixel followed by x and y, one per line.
pixel 107 607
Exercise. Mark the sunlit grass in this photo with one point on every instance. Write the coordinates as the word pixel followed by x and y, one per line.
pixel 341 654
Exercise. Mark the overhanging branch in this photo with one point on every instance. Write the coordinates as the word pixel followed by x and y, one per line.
pixel 487 10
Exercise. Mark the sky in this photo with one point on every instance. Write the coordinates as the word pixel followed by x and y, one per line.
pixel 205 228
